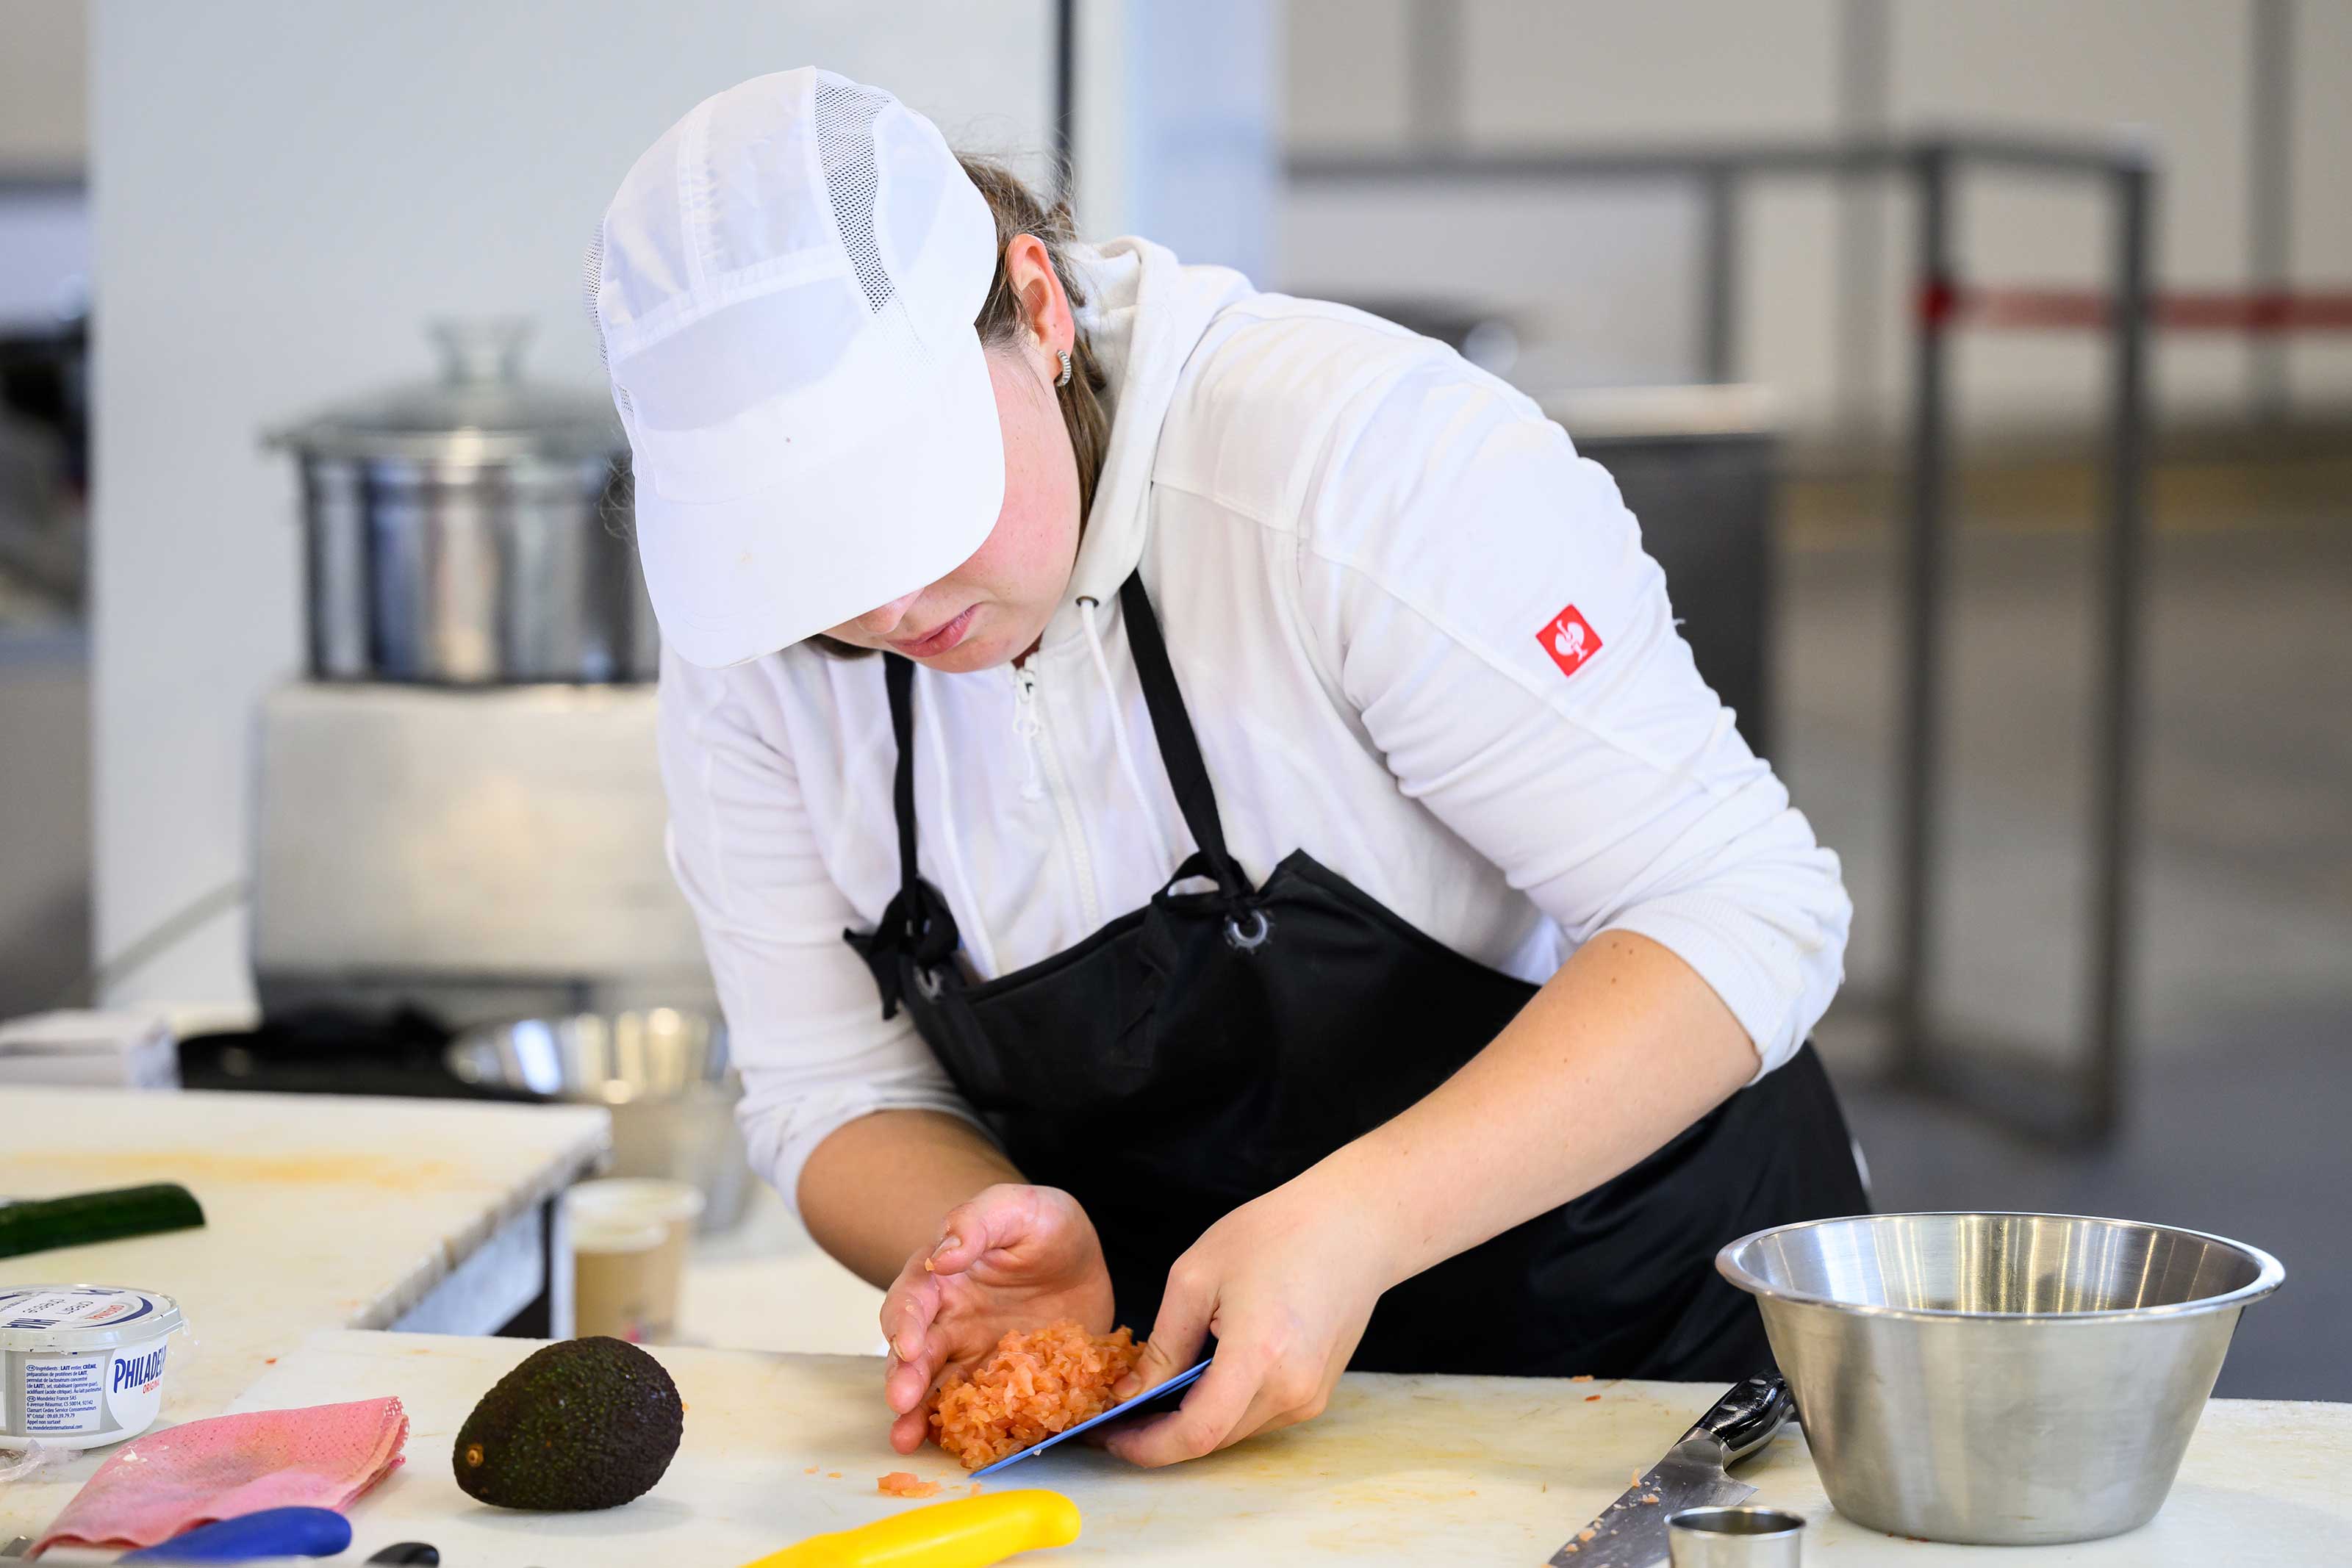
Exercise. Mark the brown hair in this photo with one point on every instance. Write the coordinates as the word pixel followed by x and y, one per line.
pixel 1018 211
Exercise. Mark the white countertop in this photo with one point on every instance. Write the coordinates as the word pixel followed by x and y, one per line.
pixel 321 1212
pixel 1399 1470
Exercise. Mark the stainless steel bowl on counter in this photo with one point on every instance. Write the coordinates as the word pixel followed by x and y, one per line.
pixel 663 1072
pixel 1998 1379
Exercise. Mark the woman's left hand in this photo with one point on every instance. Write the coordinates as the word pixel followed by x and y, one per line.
pixel 1286 1283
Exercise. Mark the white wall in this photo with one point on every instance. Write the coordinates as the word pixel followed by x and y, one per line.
pixel 1608 276
pixel 283 193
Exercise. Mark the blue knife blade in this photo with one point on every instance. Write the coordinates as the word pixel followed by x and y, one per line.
pixel 1125 1408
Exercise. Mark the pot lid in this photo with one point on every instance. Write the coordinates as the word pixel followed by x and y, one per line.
pixel 479 411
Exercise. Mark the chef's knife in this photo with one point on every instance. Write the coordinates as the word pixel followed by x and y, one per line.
pixel 1631 1532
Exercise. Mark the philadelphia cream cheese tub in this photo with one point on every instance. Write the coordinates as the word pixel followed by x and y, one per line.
pixel 81 1365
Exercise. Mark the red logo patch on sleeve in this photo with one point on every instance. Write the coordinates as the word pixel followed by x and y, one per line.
pixel 1570 639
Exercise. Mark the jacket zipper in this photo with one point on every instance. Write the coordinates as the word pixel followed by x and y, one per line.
pixel 1026 725
pixel 1029 723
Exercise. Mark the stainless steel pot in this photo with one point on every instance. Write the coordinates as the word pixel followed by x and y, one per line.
pixel 471 530
pixel 663 1074
pixel 1998 1379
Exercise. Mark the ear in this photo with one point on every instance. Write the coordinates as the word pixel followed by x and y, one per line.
pixel 1044 305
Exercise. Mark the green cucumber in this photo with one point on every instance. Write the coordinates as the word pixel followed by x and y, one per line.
pixel 38 1224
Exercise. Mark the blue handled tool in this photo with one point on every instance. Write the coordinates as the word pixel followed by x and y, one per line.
pixel 1149 1395
pixel 272 1532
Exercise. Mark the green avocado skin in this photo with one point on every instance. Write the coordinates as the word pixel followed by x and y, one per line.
pixel 582 1424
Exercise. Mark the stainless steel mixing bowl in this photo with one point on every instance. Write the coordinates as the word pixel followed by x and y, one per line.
pixel 2002 1379
pixel 665 1074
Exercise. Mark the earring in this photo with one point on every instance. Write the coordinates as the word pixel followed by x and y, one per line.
pixel 1063 378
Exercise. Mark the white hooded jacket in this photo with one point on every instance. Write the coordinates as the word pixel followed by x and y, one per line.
pixel 1417 636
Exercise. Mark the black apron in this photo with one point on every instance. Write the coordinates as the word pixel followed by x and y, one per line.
pixel 1212 1045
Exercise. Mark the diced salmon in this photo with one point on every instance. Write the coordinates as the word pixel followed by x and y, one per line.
pixel 1032 1385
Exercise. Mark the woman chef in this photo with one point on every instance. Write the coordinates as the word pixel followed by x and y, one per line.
pixel 1313 900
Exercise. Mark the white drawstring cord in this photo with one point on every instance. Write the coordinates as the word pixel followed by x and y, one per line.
pixel 1087 608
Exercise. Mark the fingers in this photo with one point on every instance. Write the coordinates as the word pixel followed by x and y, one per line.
pixel 1243 1393
pixel 907 1311
pixel 1010 1243
pixel 907 1383
pixel 998 1217
pixel 907 1432
pixel 1212 1413
pixel 1214 1405
pixel 1288 1396
pixel 1270 1370
pixel 1177 1333
pixel 963 1238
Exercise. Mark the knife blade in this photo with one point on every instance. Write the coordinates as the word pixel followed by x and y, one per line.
pixel 1631 1532
pixel 1158 1392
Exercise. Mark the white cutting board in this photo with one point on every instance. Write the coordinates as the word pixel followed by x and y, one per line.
pixel 1399 1469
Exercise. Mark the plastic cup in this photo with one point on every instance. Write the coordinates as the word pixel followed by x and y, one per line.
pixel 614 1268
pixel 614 1275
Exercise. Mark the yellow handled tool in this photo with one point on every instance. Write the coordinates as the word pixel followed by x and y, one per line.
pixel 969 1532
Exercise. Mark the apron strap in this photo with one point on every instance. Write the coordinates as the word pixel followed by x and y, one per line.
pixel 899 678
pixel 1180 750
pixel 916 938
pixel 917 935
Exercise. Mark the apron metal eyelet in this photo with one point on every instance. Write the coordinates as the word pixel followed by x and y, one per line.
pixel 929 981
pixel 1252 938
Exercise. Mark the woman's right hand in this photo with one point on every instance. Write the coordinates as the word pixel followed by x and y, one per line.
pixel 1014 1257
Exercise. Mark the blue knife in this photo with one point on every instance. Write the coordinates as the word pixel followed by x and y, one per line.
pixel 1149 1395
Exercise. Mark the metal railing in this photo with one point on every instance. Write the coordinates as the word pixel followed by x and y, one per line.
pixel 2086 1101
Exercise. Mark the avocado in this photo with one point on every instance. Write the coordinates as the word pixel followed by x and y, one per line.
pixel 584 1423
